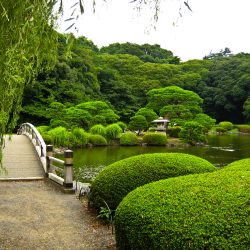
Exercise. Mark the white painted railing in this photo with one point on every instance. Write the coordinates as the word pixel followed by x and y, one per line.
pixel 45 153
pixel 32 133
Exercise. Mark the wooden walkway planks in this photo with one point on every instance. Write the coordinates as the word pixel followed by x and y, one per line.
pixel 20 159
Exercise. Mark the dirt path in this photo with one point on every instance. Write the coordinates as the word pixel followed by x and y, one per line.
pixel 35 215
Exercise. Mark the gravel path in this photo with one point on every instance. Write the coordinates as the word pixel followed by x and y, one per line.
pixel 36 215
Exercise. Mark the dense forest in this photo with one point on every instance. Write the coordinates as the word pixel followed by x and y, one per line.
pixel 117 80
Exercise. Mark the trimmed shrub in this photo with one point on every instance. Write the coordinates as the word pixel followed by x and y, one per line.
pixel 206 211
pixel 138 122
pixel 122 125
pixel 174 131
pixel 226 125
pixel 205 120
pixel 220 129
pixel 80 137
pixel 47 138
pixel 244 128
pixel 43 129
pixel 192 132
pixel 129 139
pixel 243 164
pixel 148 113
pixel 97 140
pixel 60 136
pixel 155 139
pixel 115 181
pixel 98 130
pixel 113 131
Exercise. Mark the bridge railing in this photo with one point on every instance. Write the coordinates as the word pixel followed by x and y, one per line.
pixel 66 169
pixel 45 153
pixel 32 133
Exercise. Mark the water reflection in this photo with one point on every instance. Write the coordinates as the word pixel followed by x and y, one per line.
pixel 220 151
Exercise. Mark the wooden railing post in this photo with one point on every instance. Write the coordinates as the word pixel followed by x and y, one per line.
pixel 68 169
pixel 49 152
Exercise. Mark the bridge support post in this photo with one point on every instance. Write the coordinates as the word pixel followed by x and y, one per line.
pixel 49 152
pixel 68 169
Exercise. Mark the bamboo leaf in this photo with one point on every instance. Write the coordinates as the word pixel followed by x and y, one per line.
pixel 70 26
pixel 81 6
pixel 69 19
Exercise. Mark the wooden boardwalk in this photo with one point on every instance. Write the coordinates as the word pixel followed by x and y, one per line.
pixel 20 159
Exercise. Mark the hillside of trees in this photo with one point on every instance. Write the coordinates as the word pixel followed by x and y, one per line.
pixel 122 75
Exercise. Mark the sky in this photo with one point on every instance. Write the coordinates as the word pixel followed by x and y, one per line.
pixel 211 26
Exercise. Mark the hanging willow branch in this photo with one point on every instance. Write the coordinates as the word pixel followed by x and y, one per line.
pixel 27 42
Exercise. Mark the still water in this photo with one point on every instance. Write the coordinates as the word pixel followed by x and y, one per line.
pixel 220 151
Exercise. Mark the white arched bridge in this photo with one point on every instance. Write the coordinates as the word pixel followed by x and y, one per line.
pixel 27 157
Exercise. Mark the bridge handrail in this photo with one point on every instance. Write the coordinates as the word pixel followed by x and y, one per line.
pixel 30 130
pixel 45 155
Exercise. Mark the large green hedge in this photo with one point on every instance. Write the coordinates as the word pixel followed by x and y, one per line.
pixel 115 181
pixel 243 164
pixel 97 140
pixel 155 139
pixel 206 211
pixel 129 139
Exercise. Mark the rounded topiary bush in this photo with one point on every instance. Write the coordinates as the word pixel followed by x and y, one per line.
pixel 226 125
pixel 206 211
pixel 115 181
pixel 80 137
pixel 129 139
pixel 243 164
pixel 98 129
pixel 155 139
pixel 59 136
pixel 113 131
pixel 97 140
pixel 174 131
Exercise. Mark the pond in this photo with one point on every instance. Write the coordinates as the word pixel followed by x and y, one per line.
pixel 220 151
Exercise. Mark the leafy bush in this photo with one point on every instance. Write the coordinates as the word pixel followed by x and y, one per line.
pixel 138 122
pixel 148 113
pixel 174 131
pixel 206 211
pixel 97 140
pixel 226 125
pixel 115 181
pixel 219 129
pixel 43 129
pixel 58 123
pixel 47 138
pixel 60 136
pixel 192 132
pixel 113 131
pixel 155 139
pixel 205 120
pixel 243 164
pixel 244 128
pixel 80 137
pixel 122 125
pixel 129 139
pixel 98 130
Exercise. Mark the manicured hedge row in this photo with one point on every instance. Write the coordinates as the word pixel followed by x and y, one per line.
pixel 97 140
pixel 155 139
pixel 206 211
pixel 115 181
pixel 243 164
pixel 129 139
pixel 244 128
